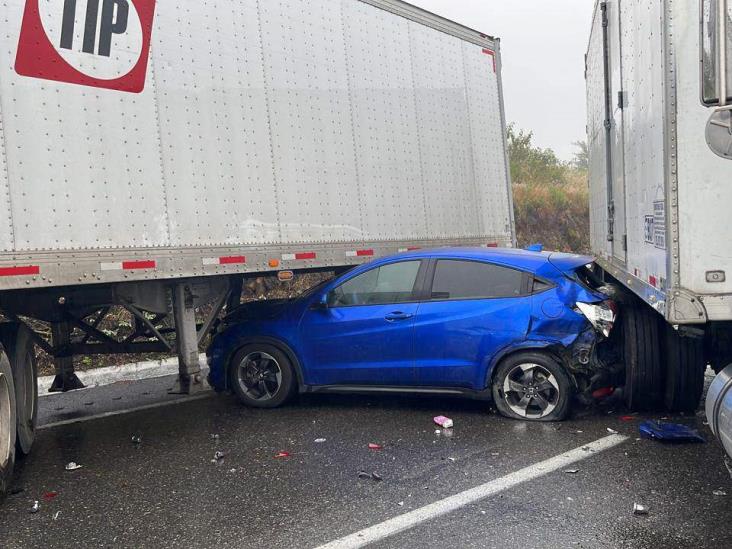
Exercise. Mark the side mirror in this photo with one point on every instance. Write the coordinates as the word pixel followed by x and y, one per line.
pixel 320 304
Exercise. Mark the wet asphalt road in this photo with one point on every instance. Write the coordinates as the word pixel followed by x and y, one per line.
pixel 166 491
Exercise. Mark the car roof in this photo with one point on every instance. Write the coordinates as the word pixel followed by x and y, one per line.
pixel 521 259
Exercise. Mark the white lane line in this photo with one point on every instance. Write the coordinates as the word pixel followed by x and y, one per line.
pixel 408 520
pixel 181 400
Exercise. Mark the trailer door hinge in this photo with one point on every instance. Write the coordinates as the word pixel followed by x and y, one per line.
pixel 625 242
pixel 608 124
pixel 622 99
pixel 605 21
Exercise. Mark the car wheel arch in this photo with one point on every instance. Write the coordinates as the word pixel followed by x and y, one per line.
pixel 267 340
pixel 552 348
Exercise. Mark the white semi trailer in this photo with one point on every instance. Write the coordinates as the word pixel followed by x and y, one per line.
pixel 659 96
pixel 154 154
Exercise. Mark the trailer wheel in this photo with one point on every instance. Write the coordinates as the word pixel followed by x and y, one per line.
pixel 21 353
pixel 644 383
pixel 7 424
pixel 262 376
pixel 684 359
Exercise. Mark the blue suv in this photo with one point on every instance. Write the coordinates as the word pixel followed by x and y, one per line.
pixel 514 326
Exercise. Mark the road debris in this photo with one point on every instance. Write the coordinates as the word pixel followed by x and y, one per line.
pixel 719 493
pixel 669 432
pixel 612 431
pixel 444 422
pixel 50 496
pixel 371 476
pixel 215 437
pixel 571 471
pixel 452 459
pixel 281 455
pixel 320 440
pixel 639 509
pixel 55 516
pixel 400 504
pixel 36 507
pixel 604 392
pixel 218 456
pixel 374 446
pixel 136 439
pixel 73 466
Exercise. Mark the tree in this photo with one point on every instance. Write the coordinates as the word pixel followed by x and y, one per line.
pixel 550 196
pixel 581 159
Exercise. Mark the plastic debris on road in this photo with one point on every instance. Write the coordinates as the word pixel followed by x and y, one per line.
pixel 719 493
pixel 374 446
pixel 281 455
pixel 571 471
pixel 136 439
pixel 444 422
pixel 218 456
pixel 612 431
pixel 36 507
pixel 669 432
pixel 73 466
pixel 371 476
pixel 319 440
pixel 55 516
pixel 639 509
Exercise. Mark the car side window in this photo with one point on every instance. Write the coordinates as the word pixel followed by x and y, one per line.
pixel 393 283
pixel 455 279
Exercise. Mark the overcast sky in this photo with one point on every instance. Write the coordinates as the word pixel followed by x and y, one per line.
pixel 543 45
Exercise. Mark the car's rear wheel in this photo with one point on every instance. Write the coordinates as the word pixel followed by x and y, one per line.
pixel 262 376
pixel 532 386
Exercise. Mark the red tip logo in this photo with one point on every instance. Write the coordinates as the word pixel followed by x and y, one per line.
pixel 98 43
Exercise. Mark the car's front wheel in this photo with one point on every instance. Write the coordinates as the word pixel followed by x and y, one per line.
pixel 532 386
pixel 262 376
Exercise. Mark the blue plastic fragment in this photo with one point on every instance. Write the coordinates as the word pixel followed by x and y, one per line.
pixel 535 248
pixel 669 432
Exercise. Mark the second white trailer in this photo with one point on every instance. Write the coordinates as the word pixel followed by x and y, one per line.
pixel 659 86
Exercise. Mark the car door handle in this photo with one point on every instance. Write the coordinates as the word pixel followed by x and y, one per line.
pixel 397 315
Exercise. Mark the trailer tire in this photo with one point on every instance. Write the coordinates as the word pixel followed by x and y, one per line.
pixel 684 359
pixel 8 424
pixel 644 382
pixel 21 354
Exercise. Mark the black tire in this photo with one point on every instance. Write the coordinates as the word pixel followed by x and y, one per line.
pixel 8 424
pixel 286 382
pixel 685 366
pixel 644 380
pixel 21 353
pixel 508 402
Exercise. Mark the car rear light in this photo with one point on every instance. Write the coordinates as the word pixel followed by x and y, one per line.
pixel 602 316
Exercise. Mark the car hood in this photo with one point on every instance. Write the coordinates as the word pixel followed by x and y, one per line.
pixel 269 309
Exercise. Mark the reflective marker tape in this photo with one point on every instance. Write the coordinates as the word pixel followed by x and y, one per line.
pixel 302 256
pixel 137 265
pixel 411 249
pixel 493 55
pixel 360 253
pixel 27 270
pixel 226 260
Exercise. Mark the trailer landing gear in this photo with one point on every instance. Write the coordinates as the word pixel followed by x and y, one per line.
pixel 66 379
pixel 189 368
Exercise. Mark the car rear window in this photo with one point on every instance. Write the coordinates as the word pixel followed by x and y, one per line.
pixel 455 279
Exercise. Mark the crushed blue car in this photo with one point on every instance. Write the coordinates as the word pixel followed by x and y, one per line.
pixel 521 328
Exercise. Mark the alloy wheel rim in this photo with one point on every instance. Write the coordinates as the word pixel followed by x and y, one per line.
pixel 531 391
pixel 5 427
pixel 259 376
